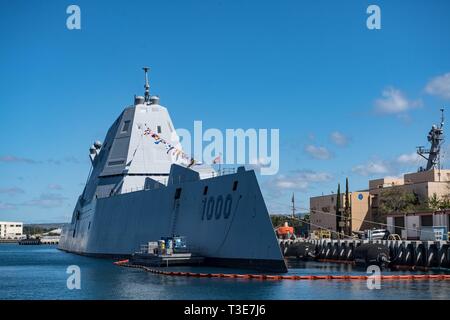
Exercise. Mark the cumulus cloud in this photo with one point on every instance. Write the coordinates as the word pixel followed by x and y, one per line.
pixel 317 152
pixel 339 138
pixel 439 86
pixel 11 191
pixel 409 159
pixel 372 168
pixel 393 166
pixel 394 101
pixel 298 180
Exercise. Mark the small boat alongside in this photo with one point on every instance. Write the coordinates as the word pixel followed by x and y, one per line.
pixel 166 252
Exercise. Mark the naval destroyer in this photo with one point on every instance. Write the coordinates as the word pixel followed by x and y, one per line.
pixel 142 187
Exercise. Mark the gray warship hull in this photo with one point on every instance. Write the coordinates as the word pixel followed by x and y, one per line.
pixel 223 217
pixel 230 228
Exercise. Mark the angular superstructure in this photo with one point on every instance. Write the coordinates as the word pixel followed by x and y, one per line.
pixel 142 187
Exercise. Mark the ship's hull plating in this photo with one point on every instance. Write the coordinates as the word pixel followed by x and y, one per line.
pixel 228 227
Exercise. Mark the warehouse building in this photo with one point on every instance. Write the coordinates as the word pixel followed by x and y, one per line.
pixel 11 230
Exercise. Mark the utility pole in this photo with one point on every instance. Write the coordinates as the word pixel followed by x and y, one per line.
pixel 293 206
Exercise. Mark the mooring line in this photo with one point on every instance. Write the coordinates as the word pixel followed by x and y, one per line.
pixel 125 263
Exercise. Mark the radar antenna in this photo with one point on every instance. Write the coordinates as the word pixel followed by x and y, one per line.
pixel 147 86
pixel 436 138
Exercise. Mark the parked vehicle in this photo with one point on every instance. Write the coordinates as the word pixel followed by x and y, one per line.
pixel 376 234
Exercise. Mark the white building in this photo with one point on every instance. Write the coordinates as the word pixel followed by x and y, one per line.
pixel 11 230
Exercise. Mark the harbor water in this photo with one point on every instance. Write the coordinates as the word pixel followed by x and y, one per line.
pixel 39 272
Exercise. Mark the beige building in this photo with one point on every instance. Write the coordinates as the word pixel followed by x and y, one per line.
pixel 11 230
pixel 419 224
pixel 423 185
pixel 323 210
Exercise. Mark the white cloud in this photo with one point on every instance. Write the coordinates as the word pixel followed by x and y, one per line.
pixel 339 138
pixel 372 168
pixel 394 101
pixel 321 153
pixel 409 159
pixel 439 86
pixel 258 164
pixel 298 180
pixel 393 166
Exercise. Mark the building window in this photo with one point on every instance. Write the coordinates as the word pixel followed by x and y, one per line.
pixel 126 126
pixel 177 193
pixel 205 191
pixel 116 162
pixel 159 129
pixel 426 221
pixel 235 184
pixel 399 225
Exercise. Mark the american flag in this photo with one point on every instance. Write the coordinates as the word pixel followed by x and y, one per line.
pixel 217 159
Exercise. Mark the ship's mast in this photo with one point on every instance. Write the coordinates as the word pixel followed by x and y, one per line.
pixel 436 138
pixel 147 86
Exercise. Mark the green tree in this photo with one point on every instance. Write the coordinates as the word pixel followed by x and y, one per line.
pixel 434 203
pixel 445 203
pixel 398 201
pixel 347 210
pixel 338 207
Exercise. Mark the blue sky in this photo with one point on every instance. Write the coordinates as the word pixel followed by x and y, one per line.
pixel 348 101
